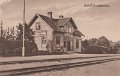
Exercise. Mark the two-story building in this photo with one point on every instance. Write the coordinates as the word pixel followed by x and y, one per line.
pixel 55 34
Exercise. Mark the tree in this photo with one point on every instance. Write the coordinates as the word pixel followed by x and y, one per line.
pixel 28 32
pixel 117 47
pixel 103 41
pixel 93 42
pixel 85 43
pixel 29 39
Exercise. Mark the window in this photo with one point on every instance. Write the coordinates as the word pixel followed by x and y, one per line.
pixel 69 28
pixel 43 40
pixel 38 26
pixel 77 43
pixel 57 39
pixel 64 43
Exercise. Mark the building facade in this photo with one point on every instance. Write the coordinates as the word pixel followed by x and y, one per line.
pixel 55 34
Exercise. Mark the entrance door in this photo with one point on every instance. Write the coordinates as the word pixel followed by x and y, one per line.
pixel 38 42
pixel 68 46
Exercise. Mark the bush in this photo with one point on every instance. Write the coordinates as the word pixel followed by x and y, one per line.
pixel 96 50
pixel 8 47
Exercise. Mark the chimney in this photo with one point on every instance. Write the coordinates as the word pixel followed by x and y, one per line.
pixel 61 17
pixel 50 14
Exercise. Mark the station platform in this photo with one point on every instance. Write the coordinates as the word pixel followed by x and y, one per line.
pixel 47 57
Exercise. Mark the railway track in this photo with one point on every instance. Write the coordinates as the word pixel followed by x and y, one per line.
pixel 61 66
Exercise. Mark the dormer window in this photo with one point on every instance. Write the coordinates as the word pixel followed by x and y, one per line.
pixel 38 27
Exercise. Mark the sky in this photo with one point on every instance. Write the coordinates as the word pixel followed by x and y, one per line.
pixel 93 22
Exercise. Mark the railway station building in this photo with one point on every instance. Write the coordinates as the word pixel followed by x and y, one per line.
pixel 53 35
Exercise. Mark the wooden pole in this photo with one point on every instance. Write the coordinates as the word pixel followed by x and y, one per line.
pixel 1 29
pixel 23 48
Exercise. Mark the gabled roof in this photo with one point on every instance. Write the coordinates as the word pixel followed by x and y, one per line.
pixel 56 23
pixel 51 22
pixel 63 21
pixel 77 33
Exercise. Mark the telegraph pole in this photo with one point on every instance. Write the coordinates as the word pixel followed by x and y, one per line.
pixel 1 29
pixel 23 48
pixel 1 33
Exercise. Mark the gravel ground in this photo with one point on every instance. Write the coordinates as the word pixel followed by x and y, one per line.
pixel 104 69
